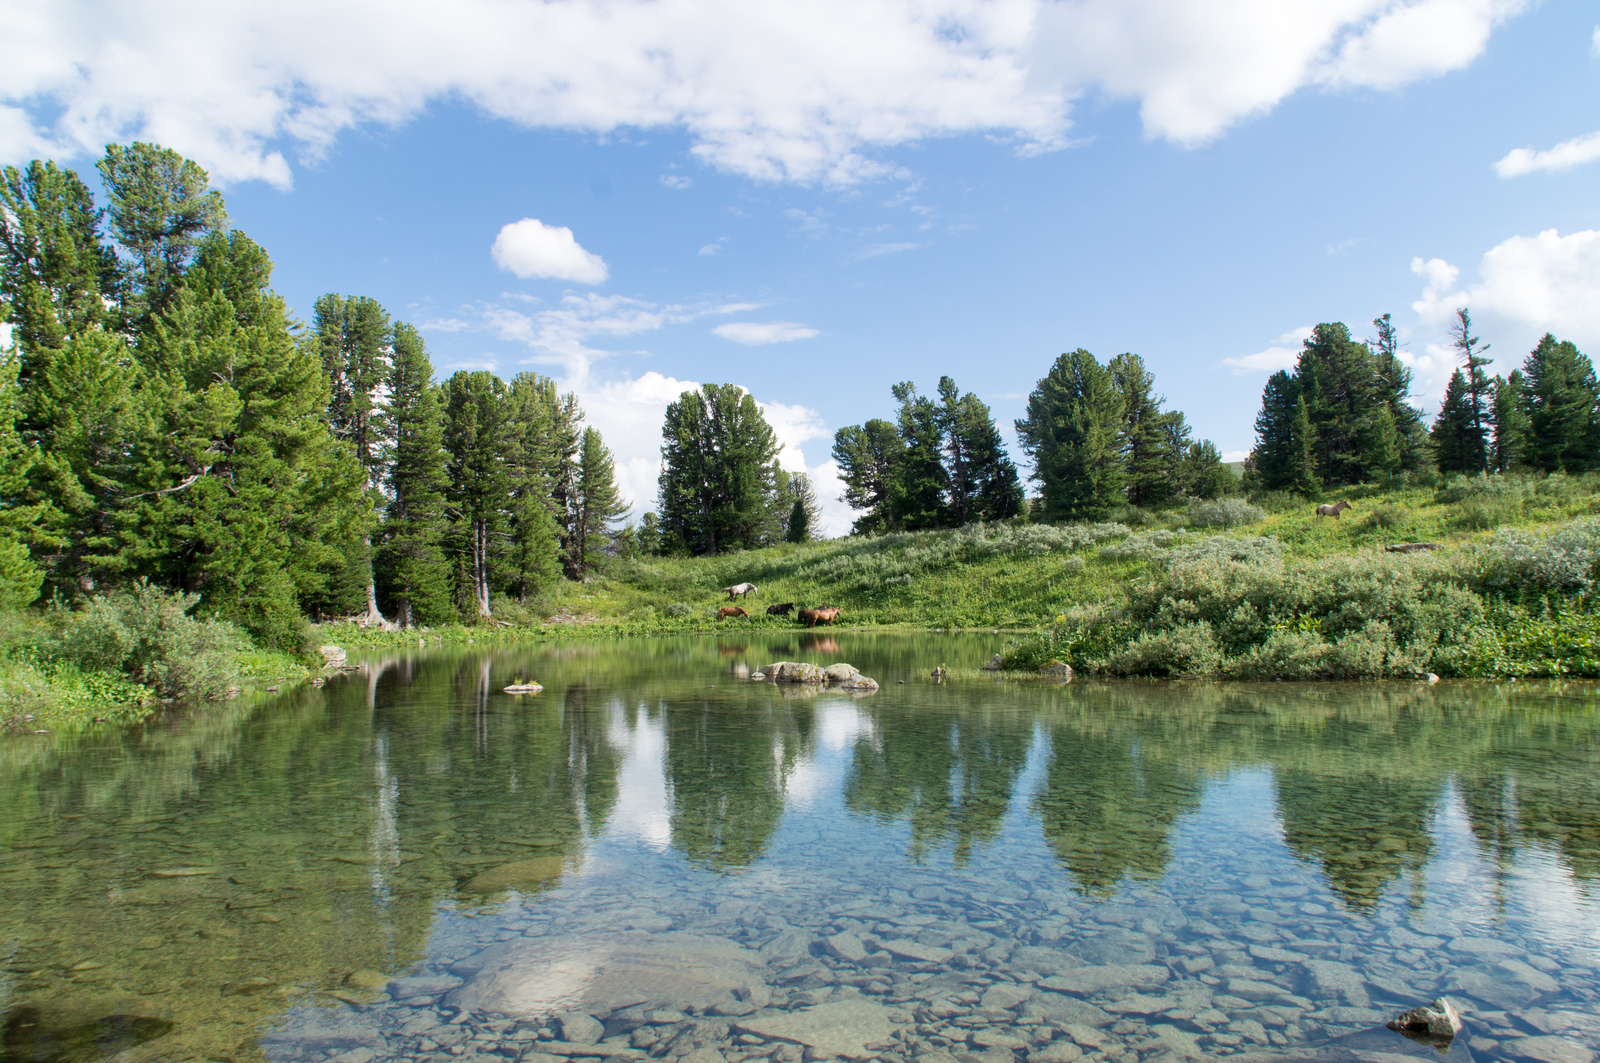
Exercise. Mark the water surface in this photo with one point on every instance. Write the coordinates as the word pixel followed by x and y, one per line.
pixel 656 857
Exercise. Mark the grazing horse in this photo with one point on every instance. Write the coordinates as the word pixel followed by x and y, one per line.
pixel 780 610
pixel 813 617
pixel 731 610
pixel 739 590
pixel 1335 509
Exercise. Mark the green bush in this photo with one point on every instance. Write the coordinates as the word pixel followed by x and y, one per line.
pixel 146 635
pixel 678 609
pixel 1521 562
pixel 1224 513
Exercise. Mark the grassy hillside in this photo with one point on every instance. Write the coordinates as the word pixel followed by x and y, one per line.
pixel 1223 589
pixel 1229 589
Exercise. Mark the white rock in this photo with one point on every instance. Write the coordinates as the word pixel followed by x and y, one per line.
pixel 841 1028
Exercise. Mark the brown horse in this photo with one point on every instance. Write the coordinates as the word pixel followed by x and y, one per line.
pixel 1335 509
pixel 731 610
pixel 813 617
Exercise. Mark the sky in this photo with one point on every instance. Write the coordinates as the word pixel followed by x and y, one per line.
pixel 816 199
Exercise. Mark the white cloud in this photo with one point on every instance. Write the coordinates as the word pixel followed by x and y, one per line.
pixel 875 250
pixel 759 333
pixel 714 248
pixel 1564 156
pixel 530 248
pixel 1547 283
pixel 767 89
pixel 1283 355
pixel 678 181
pixel 1198 66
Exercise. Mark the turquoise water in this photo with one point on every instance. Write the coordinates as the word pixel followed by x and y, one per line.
pixel 658 857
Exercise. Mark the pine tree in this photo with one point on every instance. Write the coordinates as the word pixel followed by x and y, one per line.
pixel 20 578
pixel 650 534
pixel 983 481
pixel 411 556
pixel 917 492
pixel 1148 453
pixel 1562 408
pixel 354 338
pixel 1469 349
pixel 718 469
pixel 1394 390
pixel 868 456
pixel 1074 417
pixel 245 495
pixel 1282 459
pixel 599 503
pixel 55 270
pixel 1457 439
pixel 1508 412
pixel 161 210
pixel 89 421
pixel 538 456
pixel 474 436
pixel 1338 381
pixel 1202 473
pixel 805 515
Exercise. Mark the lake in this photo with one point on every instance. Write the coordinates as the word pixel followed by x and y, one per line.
pixel 658 857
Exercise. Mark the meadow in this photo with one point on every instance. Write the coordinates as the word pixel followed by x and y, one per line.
pixel 1260 589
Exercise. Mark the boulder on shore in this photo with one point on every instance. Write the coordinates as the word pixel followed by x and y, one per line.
pixel 332 656
pixel 995 664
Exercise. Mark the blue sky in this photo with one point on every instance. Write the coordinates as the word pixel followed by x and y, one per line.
pixel 818 200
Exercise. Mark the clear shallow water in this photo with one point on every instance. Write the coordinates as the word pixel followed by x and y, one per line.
pixel 713 869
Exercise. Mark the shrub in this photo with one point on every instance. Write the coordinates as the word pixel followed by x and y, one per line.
pixel 147 636
pixel 1459 488
pixel 1189 649
pixel 1250 550
pixel 1141 546
pixel 1073 564
pixel 1564 561
pixel 1223 513
pixel 679 609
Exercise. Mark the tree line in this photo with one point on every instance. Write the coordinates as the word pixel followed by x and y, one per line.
pixel 1343 415
pixel 164 418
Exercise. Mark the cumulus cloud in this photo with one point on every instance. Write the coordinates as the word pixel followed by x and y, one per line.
pixel 1283 355
pixel 763 88
pixel 760 333
pixel 1545 283
pixel 1564 156
pixel 530 248
pixel 678 181
pixel 1198 66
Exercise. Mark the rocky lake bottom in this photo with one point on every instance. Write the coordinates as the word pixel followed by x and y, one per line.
pixel 657 858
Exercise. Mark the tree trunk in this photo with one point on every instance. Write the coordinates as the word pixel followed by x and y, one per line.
pixel 480 563
pixel 373 617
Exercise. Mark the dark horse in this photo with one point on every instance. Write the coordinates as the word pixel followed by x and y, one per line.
pixel 780 610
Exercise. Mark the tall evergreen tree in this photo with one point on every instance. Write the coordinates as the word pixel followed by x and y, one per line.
pixel 718 470
pixel 598 502
pixel 245 497
pixel 983 481
pixel 805 514
pixel 161 210
pixel 354 338
pixel 1470 350
pixel 20 578
pixel 411 556
pixel 1338 381
pixel 1151 450
pixel 917 493
pixel 869 456
pixel 1282 459
pixel 1394 389
pixel 1457 436
pixel 1074 418
pixel 1508 411
pixel 55 271
pixel 474 436
pixel 1562 408
pixel 538 425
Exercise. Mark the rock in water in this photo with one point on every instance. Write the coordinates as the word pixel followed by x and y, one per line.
pixel 672 969
pixel 332 656
pixel 1057 670
pixel 1438 1018
pixel 523 688
pixel 527 875
pixel 995 664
